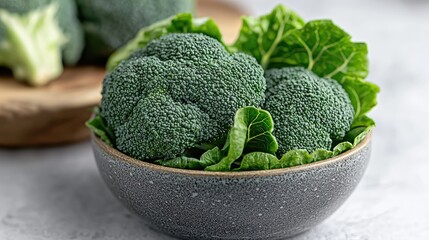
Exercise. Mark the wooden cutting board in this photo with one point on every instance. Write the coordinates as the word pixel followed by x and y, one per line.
pixel 51 114
pixel 56 113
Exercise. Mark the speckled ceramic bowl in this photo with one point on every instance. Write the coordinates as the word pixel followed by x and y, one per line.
pixel 271 204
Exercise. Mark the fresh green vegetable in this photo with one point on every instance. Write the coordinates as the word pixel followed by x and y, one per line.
pixel 282 39
pixel 252 131
pixel 99 127
pixel 208 158
pixel 36 36
pixel 363 96
pixel 258 161
pixel 261 37
pixel 180 91
pixel 109 24
pixel 309 112
pixel 181 23
pixel 171 95
pixel 266 161
pixel 249 125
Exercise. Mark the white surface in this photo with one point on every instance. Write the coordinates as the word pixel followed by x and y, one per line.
pixel 57 193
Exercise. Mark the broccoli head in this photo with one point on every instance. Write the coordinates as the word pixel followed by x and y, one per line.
pixel 180 91
pixel 309 112
pixel 37 36
pixel 109 24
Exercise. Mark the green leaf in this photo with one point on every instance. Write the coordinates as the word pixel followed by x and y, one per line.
pixel 294 158
pixel 204 146
pixel 324 48
pixel 265 161
pixel 258 161
pixel 361 136
pixel 342 147
pixel 181 23
pixel 32 44
pixel 354 137
pixel 281 39
pixel 210 157
pixel 99 127
pixel 252 131
pixel 182 162
pixel 363 121
pixel 261 36
pixel 320 154
pixel 363 95
pixel 301 156
pixel 360 125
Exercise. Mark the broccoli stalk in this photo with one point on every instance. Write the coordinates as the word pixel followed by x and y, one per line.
pixel 32 45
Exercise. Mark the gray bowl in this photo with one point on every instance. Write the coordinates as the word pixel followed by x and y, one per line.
pixel 272 204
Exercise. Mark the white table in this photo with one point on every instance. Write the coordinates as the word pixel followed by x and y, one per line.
pixel 57 193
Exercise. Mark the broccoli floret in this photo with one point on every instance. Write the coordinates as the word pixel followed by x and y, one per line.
pixel 179 91
pixel 309 112
pixel 37 36
pixel 109 24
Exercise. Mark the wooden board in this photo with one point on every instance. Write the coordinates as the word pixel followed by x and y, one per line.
pixel 56 113
pixel 52 114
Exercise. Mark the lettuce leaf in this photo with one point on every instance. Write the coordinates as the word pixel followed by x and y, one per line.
pixel 252 132
pixel 181 23
pixel 208 158
pixel 281 39
pixel 99 127
pixel 182 162
pixel 265 161
pixel 324 48
pixel 363 96
pixel 258 161
pixel 260 37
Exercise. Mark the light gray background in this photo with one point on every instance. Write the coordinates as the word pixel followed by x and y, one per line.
pixel 56 193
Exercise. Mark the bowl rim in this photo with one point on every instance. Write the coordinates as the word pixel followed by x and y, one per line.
pixel 229 174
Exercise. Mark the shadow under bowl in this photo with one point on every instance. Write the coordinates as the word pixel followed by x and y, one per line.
pixel 269 204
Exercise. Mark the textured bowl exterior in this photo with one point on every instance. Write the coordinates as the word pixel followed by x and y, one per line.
pixel 271 204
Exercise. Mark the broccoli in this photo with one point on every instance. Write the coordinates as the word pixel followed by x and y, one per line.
pixel 109 24
pixel 309 112
pixel 37 35
pixel 180 91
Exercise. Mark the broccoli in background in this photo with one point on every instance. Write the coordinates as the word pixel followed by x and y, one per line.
pixel 180 91
pixel 309 112
pixel 109 24
pixel 36 36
